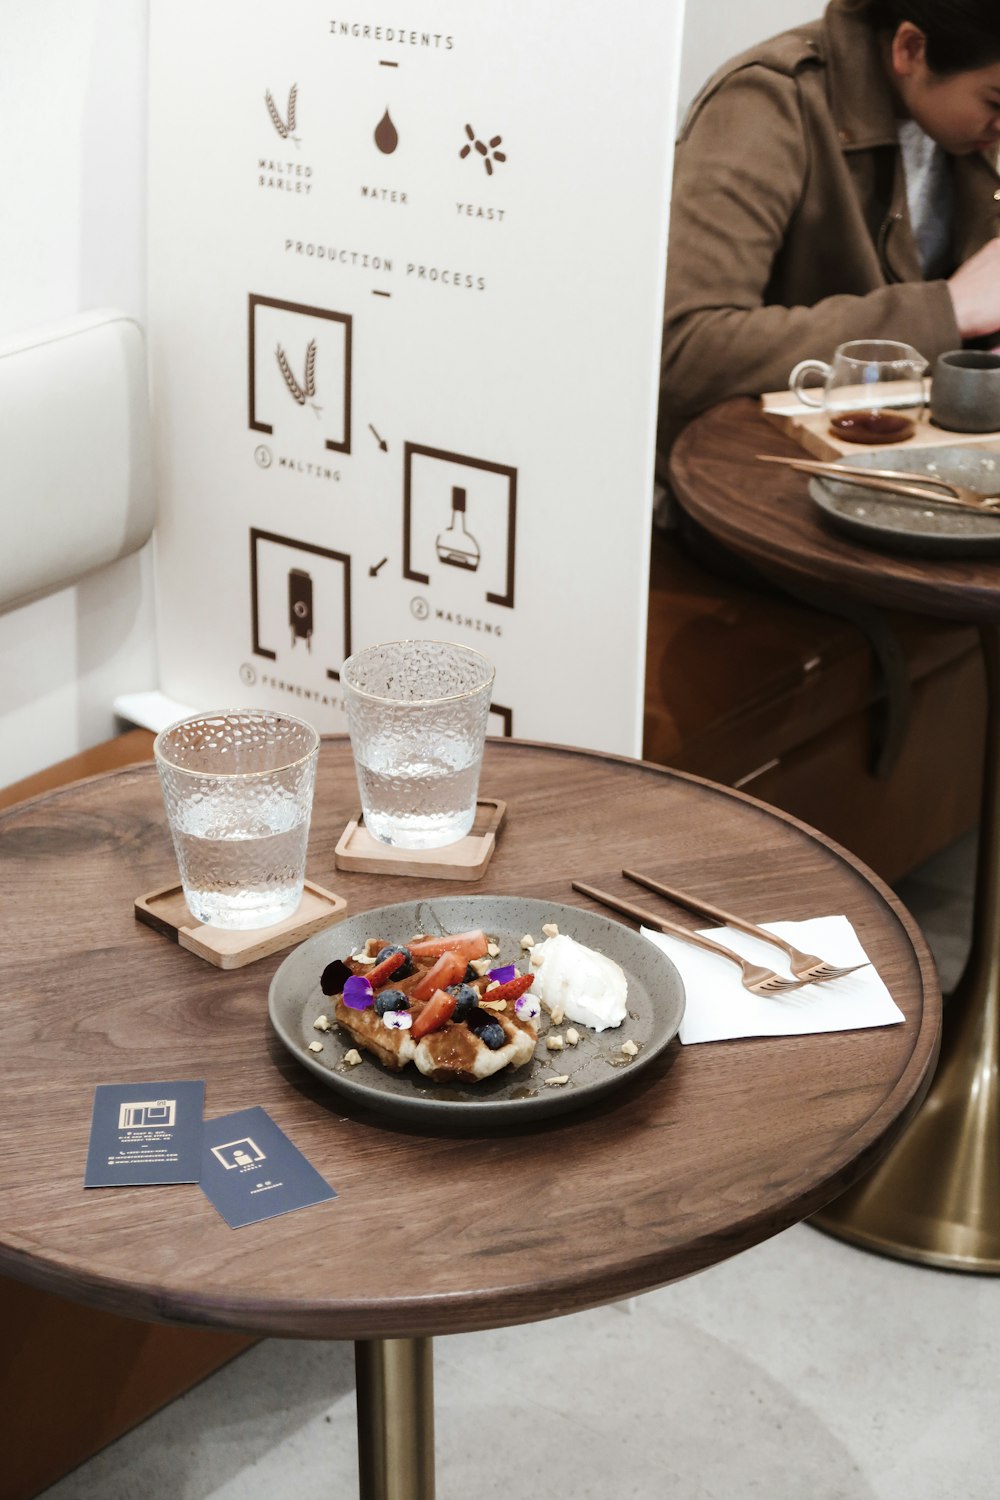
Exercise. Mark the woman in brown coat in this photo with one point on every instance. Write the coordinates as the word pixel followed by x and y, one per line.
pixel 837 182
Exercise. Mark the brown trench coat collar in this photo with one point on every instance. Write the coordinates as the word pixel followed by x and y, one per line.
pixel 861 100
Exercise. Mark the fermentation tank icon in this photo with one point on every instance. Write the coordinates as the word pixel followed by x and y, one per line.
pixel 300 605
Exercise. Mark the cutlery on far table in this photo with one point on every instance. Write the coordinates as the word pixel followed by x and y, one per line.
pixel 756 979
pixel 896 482
pixel 805 966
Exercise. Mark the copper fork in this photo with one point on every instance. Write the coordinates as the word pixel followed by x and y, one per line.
pixel 929 489
pixel 758 980
pixel 805 966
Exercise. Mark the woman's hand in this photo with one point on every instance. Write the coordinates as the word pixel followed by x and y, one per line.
pixel 975 292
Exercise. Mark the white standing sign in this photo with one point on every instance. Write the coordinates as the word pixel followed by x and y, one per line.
pixel 406 279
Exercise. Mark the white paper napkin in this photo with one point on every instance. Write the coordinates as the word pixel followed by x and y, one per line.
pixel 718 1006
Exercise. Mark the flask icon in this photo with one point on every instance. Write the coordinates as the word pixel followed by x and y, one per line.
pixel 455 545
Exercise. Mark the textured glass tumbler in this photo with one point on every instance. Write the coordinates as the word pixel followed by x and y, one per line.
pixel 238 790
pixel 417 715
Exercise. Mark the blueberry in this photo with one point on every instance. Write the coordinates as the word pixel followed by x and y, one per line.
pixel 390 1000
pixel 470 976
pixel 334 977
pixel 492 1034
pixel 486 1027
pixel 407 969
pixel 465 1000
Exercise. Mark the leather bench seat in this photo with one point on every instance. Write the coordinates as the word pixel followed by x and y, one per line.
pixel 752 689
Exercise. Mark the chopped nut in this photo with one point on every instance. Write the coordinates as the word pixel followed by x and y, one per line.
pixel 321 1023
pixel 536 959
pixel 493 1004
pixel 550 929
pixel 482 966
pixel 494 984
pixel 363 958
pixel 572 1037
pixel 492 949
pixel 554 1043
pixel 527 941
pixel 630 1049
pixel 353 1057
pixel 315 1046
pixel 559 1078
pixel 557 1013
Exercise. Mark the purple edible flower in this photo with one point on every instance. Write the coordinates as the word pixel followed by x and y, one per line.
pixel 358 992
pixel 527 1008
pixel 504 975
pixel 398 1020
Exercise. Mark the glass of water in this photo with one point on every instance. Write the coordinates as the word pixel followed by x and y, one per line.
pixel 238 790
pixel 417 715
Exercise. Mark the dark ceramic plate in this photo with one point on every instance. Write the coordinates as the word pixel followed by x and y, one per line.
pixel 595 1067
pixel 873 517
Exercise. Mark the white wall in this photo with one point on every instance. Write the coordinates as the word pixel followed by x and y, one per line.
pixel 72 230
pixel 718 29
pixel 72 237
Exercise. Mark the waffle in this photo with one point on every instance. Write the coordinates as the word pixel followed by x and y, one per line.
pixel 453 1053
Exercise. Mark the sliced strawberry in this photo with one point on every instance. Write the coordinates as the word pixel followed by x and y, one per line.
pixel 512 990
pixel 448 969
pixel 438 1010
pixel 467 945
pixel 385 969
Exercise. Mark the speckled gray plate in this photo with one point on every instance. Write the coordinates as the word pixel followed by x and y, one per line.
pixel 595 1066
pixel 874 517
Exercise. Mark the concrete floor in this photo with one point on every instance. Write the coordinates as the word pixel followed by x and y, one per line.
pixel 801 1370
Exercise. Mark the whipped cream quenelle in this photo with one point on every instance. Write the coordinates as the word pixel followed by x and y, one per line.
pixel 586 986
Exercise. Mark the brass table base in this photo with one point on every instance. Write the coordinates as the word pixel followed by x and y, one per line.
pixel 935 1198
pixel 395 1397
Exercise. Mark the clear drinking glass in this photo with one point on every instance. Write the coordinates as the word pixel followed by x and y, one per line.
pixel 417 715
pixel 238 790
pixel 873 391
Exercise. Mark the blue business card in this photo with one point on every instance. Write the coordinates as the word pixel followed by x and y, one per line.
pixel 142 1133
pixel 251 1171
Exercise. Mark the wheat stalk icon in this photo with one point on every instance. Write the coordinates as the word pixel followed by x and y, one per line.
pixel 286 131
pixel 300 393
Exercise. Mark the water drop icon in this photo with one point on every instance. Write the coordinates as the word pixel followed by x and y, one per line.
pixel 386 136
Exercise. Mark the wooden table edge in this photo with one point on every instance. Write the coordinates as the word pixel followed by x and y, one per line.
pixel 949 601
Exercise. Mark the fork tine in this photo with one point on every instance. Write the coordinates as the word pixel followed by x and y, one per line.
pixel 818 972
pixel 777 985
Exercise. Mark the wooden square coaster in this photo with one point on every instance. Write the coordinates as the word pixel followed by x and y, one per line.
pixel 466 860
pixel 167 912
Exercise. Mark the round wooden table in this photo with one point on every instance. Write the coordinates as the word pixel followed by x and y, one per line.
pixel 935 1198
pixel 713 1149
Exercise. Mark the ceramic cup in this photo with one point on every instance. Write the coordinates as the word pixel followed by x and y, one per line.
pixel 965 391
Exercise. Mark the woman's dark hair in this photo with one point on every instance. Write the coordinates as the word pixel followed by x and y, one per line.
pixel 961 34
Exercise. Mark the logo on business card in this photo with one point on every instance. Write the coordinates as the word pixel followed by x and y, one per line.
pixel 145 1114
pixel 236 1154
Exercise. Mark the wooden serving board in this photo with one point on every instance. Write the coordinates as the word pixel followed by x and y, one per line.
pixel 811 428
pixel 167 912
